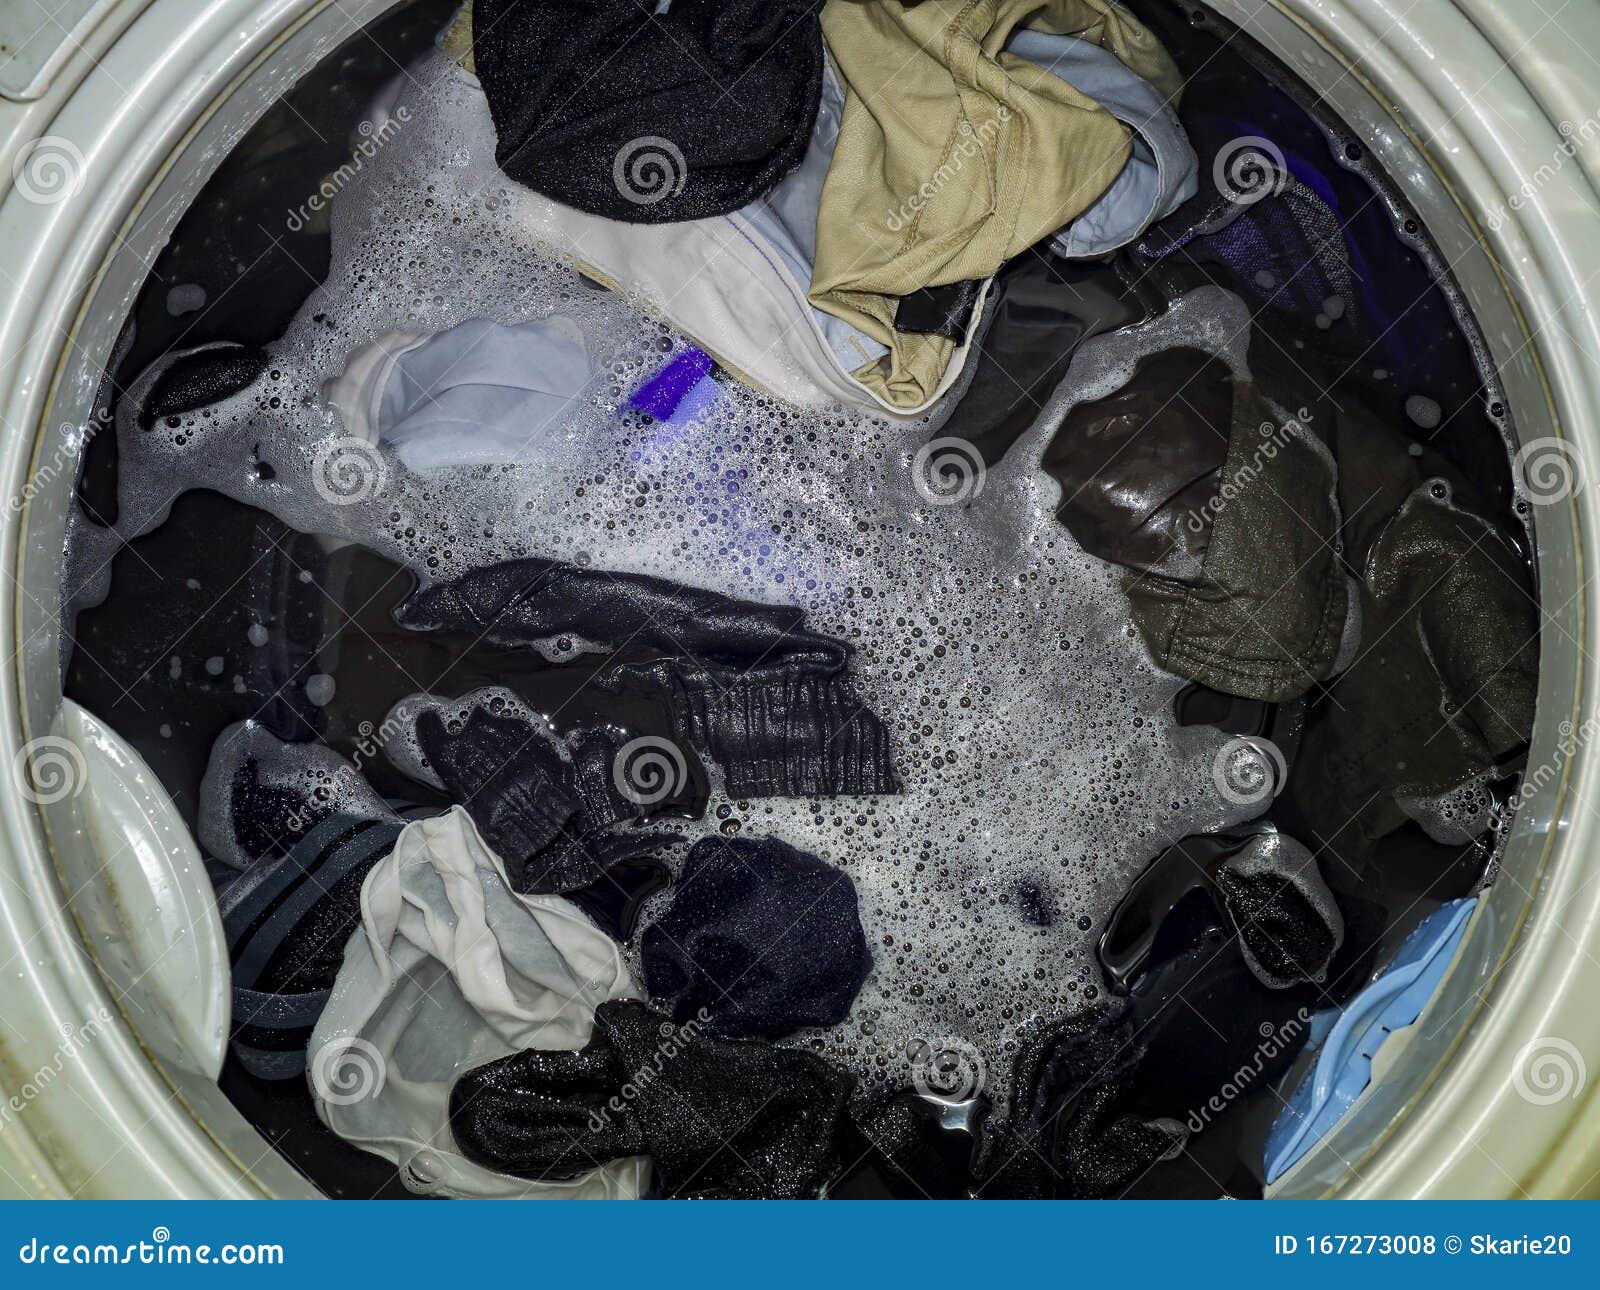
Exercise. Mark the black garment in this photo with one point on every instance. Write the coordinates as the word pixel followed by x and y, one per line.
pixel 749 685
pixel 617 897
pixel 939 311
pixel 759 939
pixel 1220 501
pixel 199 377
pixel 287 922
pixel 644 116
pixel 1288 922
pixel 508 778
pixel 1069 1137
pixel 907 1147
pixel 539 812
pixel 1039 311
pixel 1269 887
pixel 1266 234
pixel 1442 684
pixel 729 1119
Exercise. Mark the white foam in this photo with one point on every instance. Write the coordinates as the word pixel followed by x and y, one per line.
pixel 1035 740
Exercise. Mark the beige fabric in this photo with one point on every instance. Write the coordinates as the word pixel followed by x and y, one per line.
pixel 713 281
pixel 954 156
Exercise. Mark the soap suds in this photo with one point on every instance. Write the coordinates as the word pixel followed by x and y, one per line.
pixel 1041 763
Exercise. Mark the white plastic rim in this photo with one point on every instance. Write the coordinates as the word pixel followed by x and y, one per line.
pixel 1479 111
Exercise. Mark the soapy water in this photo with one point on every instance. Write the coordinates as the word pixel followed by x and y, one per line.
pixel 1041 762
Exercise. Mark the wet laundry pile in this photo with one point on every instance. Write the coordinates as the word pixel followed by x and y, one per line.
pixel 505 947
pixel 1279 539
pixel 465 1029
pixel 812 240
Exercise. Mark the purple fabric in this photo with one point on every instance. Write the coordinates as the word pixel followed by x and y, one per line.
pixel 679 390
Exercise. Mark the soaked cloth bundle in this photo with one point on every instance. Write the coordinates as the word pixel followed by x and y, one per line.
pixel 1272 236
pixel 450 969
pixel 738 284
pixel 751 687
pixel 717 1118
pixel 1441 690
pixel 1288 923
pixel 759 939
pixel 476 394
pixel 542 813
pixel 1040 311
pixel 1218 498
pixel 196 377
pixel 686 111
pixel 1269 887
pixel 1071 1137
pixel 954 155
pixel 261 795
pixel 287 920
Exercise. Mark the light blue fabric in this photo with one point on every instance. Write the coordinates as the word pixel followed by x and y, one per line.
pixel 481 393
pixel 786 222
pixel 1343 1067
pixel 1162 171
